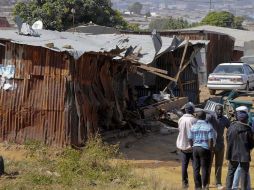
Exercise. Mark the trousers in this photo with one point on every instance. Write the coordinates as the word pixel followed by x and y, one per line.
pixel 185 158
pixel 201 160
pixel 232 166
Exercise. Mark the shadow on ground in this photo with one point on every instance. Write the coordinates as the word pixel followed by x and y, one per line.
pixel 151 150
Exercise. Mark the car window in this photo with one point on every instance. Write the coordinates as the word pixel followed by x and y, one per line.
pixel 229 69
pixel 250 70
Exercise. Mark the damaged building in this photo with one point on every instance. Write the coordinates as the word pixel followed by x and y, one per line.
pixel 60 88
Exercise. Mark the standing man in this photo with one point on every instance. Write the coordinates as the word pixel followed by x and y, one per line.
pixel 239 144
pixel 184 125
pixel 219 123
pixel 237 174
pixel 201 138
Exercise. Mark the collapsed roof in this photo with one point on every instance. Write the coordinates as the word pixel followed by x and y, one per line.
pixel 144 47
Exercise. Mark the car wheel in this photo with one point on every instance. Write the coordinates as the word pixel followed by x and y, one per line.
pixel 212 92
pixel 247 86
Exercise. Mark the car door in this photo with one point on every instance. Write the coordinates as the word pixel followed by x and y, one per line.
pixel 250 73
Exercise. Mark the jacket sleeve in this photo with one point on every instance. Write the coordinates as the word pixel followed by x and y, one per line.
pixel 227 124
pixel 250 138
pixel 228 134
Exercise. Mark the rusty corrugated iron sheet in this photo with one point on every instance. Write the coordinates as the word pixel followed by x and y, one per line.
pixel 58 100
pixel 220 48
pixel 189 79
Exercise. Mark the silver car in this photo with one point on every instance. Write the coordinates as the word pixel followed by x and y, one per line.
pixel 228 76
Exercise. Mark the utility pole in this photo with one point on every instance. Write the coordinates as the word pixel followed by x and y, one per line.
pixel 210 6
pixel 73 19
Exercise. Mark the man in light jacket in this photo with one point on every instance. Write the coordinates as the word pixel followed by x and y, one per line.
pixel 182 143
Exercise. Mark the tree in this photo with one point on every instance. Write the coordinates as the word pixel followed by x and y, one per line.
pixel 223 19
pixel 56 14
pixel 148 14
pixel 168 23
pixel 238 22
pixel 135 8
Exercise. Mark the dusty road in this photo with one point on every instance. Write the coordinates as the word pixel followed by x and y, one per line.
pixel 155 156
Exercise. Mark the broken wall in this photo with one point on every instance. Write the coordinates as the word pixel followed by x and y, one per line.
pixel 55 99
pixel 188 83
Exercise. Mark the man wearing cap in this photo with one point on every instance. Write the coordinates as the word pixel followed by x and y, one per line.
pixel 238 170
pixel 201 138
pixel 182 143
pixel 219 123
pixel 240 142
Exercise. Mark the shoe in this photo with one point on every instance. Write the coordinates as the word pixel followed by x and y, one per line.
pixel 220 187
pixel 185 186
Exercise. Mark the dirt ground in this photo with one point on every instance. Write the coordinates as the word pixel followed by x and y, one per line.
pixel 153 156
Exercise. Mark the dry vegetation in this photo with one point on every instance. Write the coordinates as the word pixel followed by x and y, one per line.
pixel 45 168
pixel 149 163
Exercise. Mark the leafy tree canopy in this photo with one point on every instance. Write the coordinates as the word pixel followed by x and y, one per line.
pixel 168 23
pixel 57 15
pixel 135 7
pixel 223 19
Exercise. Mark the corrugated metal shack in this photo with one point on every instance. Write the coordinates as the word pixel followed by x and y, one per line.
pixel 220 48
pixel 188 83
pixel 170 61
pixel 62 87
pixel 240 38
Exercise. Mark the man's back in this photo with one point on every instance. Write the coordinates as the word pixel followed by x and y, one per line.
pixel 240 142
pixel 201 133
pixel 184 125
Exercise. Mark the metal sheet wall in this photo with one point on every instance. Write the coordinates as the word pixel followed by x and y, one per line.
pixel 188 78
pixel 220 48
pixel 35 109
pixel 58 100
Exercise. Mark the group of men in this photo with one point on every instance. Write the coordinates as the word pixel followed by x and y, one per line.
pixel 201 139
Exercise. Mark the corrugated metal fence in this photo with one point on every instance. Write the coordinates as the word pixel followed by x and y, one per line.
pixel 188 78
pixel 57 100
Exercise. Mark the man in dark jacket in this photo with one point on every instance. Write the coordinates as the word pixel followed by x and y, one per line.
pixel 219 123
pixel 240 142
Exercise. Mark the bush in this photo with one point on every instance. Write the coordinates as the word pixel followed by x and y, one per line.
pixel 69 168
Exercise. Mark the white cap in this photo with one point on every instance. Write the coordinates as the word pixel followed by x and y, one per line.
pixel 242 108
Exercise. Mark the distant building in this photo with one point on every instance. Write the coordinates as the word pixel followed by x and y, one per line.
pixel 153 14
pixel 4 22
pixel 241 37
pixel 94 29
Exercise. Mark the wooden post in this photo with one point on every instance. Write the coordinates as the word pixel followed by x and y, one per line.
pixel 157 72
pixel 181 64
pixel 1 165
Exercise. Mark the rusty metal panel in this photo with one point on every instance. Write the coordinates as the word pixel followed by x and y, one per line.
pixel 220 48
pixel 58 100
pixel 35 109
pixel 188 78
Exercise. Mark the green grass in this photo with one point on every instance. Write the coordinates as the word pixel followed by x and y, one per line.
pixel 90 168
